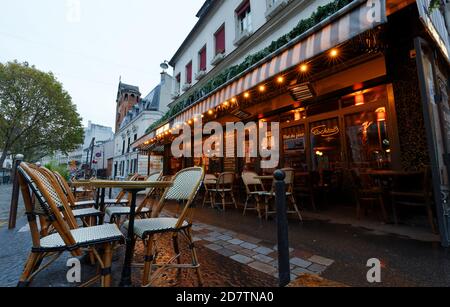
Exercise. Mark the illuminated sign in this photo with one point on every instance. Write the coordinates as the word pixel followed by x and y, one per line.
pixel 325 132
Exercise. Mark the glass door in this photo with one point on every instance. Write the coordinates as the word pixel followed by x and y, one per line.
pixel 368 144
pixel 325 144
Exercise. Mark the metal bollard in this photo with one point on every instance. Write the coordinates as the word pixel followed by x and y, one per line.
pixel 284 269
pixel 15 194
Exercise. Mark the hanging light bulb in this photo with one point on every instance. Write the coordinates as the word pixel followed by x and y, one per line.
pixel 381 114
pixel 303 68
pixel 359 99
pixel 334 53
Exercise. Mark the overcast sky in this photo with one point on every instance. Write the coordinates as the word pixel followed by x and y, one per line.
pixel 88 44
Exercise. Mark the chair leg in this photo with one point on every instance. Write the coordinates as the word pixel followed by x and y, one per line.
pixel 223 201
pixel 176 248
pixel 28 269
pixel 294 203
pixel 246 204
pixel 107 261
pixel 148 260
pixel 234 200
pixel 205 198
pixel 258 207
pixel 212 199
pixel 195 262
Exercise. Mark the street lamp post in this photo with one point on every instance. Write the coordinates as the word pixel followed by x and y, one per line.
pixel 15 193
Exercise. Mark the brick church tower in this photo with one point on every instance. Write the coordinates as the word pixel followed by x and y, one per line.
pixel 127 97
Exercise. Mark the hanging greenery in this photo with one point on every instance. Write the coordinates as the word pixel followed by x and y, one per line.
pixel 434 4
pixel 304 25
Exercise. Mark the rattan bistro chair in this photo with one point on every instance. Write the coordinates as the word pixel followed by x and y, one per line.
pixel 255 190
pixel 224 187
pixel 88 215
pixel 116 213
pixel 289 181
pixel 185 187
pixel 68 236
pixel 210 181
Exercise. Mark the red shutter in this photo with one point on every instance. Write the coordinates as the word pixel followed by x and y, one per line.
pixel 220 40
pixel 202 55
pixel 243 8
pixel 189 73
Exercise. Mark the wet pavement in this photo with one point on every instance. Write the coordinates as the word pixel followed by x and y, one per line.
pixel 406 262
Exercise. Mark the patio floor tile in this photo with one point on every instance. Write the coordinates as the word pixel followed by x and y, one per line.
pixel 211 239
pixel 241 258
pixel 248 252
pixel 263 258
pixel 263 250
pixel 226 252
pixel 263 267
pixel 233 247
pixel 225 238
pixel 249 245
pixel 317 268
pixel 236 242
pixel 213 247
pixel 300 262
pixel 299 271
pixel 321 260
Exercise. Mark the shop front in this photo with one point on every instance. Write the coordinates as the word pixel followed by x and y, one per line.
pixel 352 106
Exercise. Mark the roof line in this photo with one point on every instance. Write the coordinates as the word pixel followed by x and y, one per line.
pixel 204 11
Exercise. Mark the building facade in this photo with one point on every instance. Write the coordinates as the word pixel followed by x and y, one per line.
pixel 354 85
pixel 81 156
pixel 134 123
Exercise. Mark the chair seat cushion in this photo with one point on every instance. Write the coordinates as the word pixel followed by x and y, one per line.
pixel 260 193
pixel 85 203
pixel 86 212
pixel 84 237
pixel 122 211
pixel 145 227
pixel 272 194
pixel 115 201
pixel 220 190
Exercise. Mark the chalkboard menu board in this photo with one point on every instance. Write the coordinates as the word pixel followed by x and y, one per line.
pixel 294 146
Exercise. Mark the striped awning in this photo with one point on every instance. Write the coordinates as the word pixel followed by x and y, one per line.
pixel 356 18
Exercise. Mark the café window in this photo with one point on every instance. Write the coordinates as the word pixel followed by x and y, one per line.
pixel 368 144
pixel 364 97
pixel 294 147
pixel 326 144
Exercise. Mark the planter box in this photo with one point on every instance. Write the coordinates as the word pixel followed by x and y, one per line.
pixel 200 75
pixel 276 8
pixel 186 86
pixel 217 59
pixel 242 38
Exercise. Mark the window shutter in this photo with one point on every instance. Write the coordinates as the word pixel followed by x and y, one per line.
pixel 243 8
pixel 189 73
pixel 220 40
pixel 202 54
